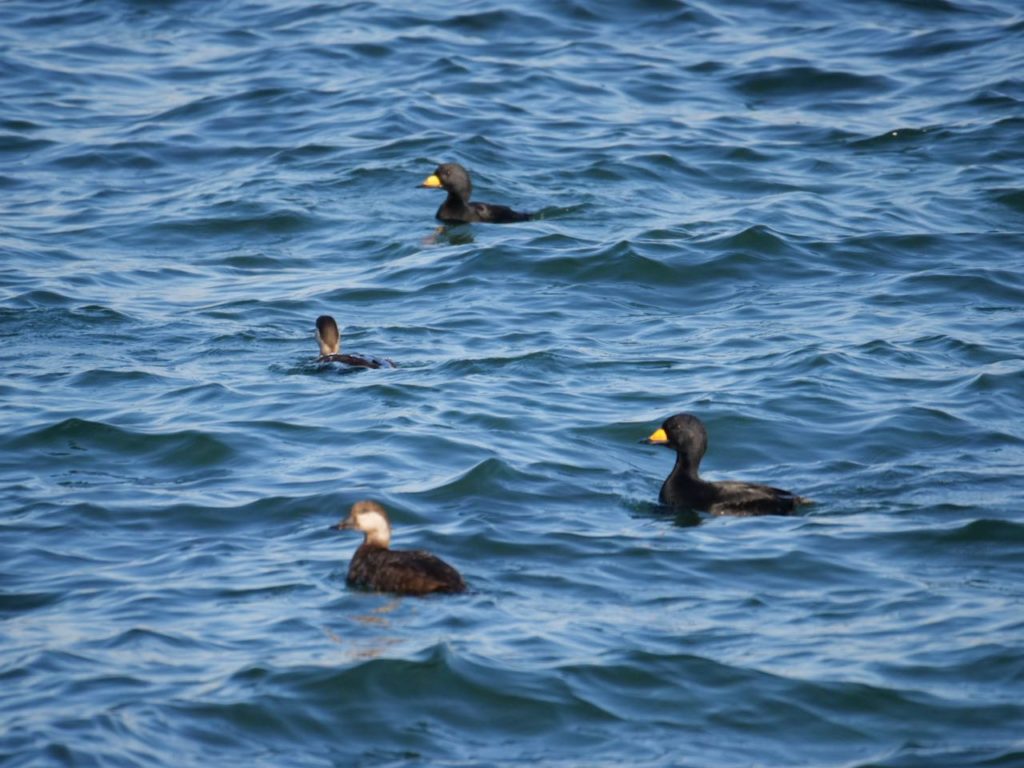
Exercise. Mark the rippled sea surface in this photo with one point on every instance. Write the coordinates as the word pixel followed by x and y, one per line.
pixel 801 221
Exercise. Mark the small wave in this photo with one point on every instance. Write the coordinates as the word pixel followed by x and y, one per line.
pixel 901 138
pixel 14 144
pixel 40 298
pixel 797 81
pixel 434 685
pixel 246 220
pixel 536 361
pixel 75 436
pixel 757 238
pixel 486 478
pixel 1012 198
pixel 100 378
pixel 145 640
pixel 15 603
pixel 107 158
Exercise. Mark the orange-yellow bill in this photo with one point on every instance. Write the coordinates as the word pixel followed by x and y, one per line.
pixel 658 437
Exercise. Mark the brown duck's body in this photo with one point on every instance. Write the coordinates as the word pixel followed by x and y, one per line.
pixel 457 208
pixel 377 568
pixel 684 488
pixel 411 572
pixel 360 361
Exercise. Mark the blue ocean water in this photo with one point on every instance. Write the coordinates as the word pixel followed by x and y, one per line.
pixel 803 222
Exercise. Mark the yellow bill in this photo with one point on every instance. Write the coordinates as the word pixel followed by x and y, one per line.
pixel 658 437
pixel 432 182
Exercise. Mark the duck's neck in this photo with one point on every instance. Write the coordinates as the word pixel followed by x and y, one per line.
pixel 683 484
pixel 453 207
pixel 377 537
pixel 685 470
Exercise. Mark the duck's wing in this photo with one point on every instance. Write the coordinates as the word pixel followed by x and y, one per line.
pixel 359 361
pixel 498 214
pixel 433 568
pixel 748 499
pixel 404 572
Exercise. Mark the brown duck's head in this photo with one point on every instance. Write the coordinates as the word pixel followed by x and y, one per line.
pixel 370 518
pixel 327 335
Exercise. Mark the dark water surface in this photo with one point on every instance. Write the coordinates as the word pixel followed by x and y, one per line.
pixel 802 221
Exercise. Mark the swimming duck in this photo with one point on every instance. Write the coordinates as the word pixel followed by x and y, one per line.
pixel 377 568
pixel 685 434
pixel 454 179
pixel 329 338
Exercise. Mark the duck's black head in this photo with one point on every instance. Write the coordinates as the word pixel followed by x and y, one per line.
pixel 451 177
pixel 685 434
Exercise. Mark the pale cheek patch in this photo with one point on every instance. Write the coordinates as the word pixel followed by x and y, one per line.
pixel 375 527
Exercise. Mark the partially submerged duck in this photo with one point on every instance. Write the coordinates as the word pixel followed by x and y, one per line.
pixel 377 568
pixel 456 208
pixel 329 338
pixel 685 434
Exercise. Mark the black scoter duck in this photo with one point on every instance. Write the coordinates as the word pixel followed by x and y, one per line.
pixel 329 338
pixel 377 568
pixel 686 435
pixel 456 208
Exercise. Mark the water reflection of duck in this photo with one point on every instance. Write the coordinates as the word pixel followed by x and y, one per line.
pixel 329 338
pixel 456 208
pixel 405 572
pixel 684 488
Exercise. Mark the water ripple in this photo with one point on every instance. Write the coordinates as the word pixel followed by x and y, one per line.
pixel 801 222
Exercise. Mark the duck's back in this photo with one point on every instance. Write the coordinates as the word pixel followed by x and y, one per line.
pixel 498 214
pixel 403 572
pixel 728 498
pixel 359 361
pixel 460 212
pixel 748 499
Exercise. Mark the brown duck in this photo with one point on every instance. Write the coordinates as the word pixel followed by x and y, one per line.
pixel 379 569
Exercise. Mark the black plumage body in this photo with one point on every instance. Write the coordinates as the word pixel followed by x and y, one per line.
pixel 726 498
pixel 454 210
pixel 685 489
pixel 410 572
pixel 457 208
